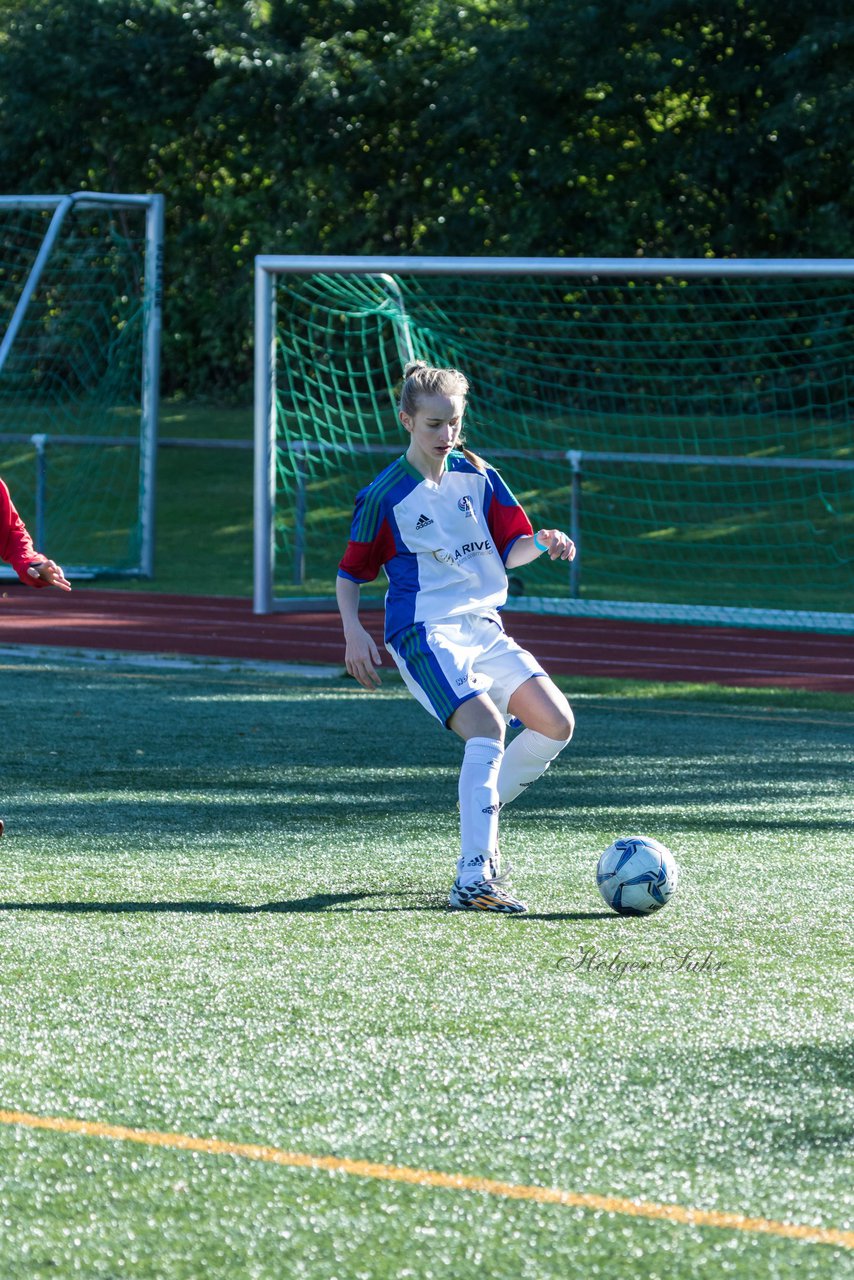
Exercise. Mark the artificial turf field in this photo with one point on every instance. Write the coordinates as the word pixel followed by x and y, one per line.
pixel 222 921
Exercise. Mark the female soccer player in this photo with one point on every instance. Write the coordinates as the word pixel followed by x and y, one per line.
pixel 445 528
pixel 16 547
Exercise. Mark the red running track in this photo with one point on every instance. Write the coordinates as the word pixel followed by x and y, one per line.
pixel 225 627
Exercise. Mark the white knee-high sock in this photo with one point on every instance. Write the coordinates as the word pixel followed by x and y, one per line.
pixel 478 806
pixel 527 757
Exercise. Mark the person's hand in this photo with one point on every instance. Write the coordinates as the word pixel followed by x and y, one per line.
pixel 49 572
pixel 558 545
pixel 361 657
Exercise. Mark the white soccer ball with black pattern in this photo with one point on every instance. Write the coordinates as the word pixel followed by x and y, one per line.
pixel 637 875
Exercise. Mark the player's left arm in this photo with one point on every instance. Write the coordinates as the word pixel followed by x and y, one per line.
pixel 515 539
pixel 558 546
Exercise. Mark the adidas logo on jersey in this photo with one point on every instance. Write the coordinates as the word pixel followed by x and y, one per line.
pixel 422 522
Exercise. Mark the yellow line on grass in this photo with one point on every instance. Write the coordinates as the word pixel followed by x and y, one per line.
pixel 431 1178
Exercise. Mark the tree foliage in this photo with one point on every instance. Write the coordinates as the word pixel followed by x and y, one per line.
pixel 546 127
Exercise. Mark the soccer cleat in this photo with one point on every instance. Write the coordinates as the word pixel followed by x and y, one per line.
pixel 484 895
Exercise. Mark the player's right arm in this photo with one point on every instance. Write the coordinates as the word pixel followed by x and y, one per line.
pixel 371 546
pixel 361 656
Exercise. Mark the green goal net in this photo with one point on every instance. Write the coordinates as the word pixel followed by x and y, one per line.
pixel 692 429
pixel 80 319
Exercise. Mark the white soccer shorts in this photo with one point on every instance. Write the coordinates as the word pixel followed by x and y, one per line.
pixel 445 663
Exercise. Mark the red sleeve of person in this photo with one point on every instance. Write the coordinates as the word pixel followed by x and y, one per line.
pixel 16 545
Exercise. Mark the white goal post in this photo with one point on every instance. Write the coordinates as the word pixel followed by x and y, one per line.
pixel 758 405
pixel 81 281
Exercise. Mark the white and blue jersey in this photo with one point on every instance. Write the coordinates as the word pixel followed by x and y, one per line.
pixel 442 546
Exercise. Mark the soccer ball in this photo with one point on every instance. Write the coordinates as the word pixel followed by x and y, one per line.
pixel 637 875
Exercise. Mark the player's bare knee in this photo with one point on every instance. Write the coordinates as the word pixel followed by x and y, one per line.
pixel 478 718
pixel 560 724
pixel 566 727
pixel 495 719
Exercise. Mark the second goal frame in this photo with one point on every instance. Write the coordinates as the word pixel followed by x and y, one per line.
pixel 270 268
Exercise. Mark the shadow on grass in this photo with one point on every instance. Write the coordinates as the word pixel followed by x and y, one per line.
pixel 318 902
pixel 338 903
pixel 791 1098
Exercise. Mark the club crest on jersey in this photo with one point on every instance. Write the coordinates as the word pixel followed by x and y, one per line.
pixel 466 505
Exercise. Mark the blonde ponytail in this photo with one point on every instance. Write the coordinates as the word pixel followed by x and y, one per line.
pixel 474 458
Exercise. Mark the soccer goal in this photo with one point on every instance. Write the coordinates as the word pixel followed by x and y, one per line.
pixel 80 305
pixel 688 421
